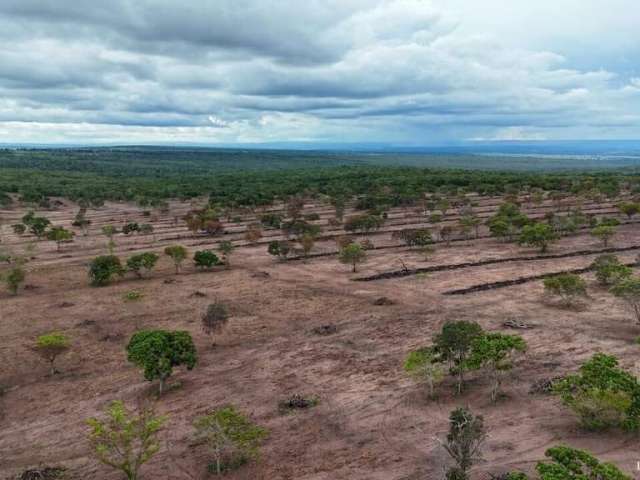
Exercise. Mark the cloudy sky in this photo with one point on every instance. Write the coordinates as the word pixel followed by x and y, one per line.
pixel 397 71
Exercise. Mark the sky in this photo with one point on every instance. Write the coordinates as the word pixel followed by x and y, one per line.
pixel 410 72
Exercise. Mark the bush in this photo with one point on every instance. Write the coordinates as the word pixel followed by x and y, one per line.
pixel 454 343
pixel 602 394
pixel 604 233
pixel 271 220
pixel 102 270
pixel 215 318
pixel 425 365
pixel 14 277
pixel 158 351
pixel 279 248
pixel 205 259
pixel 130 228
pixel 609 270
pixel 232 437
pixel 146 261
pixel 567 286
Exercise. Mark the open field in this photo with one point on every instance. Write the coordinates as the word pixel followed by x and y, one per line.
pixel 372 421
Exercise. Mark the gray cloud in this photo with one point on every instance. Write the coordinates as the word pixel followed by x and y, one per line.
pixel 250 70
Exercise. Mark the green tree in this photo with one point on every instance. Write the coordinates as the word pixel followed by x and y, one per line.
pixel 494 352
pixel 158 351
pixel 629 208
pixel 352 254
pixel 205 259
pixel 178 254
pixel 51 346
pixel 60 235
pixel 567 286
pixel 142 261
pixel 14 277
pixel 629 291
pixel 109 231
pixel 231 437
pixel 538 235
pixel 454 345
pixel 604 233
pixel 609 270
pixel 125 441
pixel 307 242
pixel 602 394
pixel 102 270
pixel 38 226
pixel 424 365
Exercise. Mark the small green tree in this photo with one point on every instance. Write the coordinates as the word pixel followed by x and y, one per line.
pixel 609 270
pixel 568 287
pixel 158 351
pixel 178 254
pixel 464 442
pixel 205 259
pixel 146 229
pixel 425 365
pixel 215 318
pixel 125 441
pixel 568 463
pixel 279 248
pixel 19 228
pixel 307 241
pixel 102 270
pixel 352 254
pixel 629 208
pixel 226 248
pixel 60 235
pixel 37 225
pixel 629 291
pixel 51 346
pixel 14 277
pixel 454 345
pixel 232 437
pixel 494 352
pixel 538 235
pixel 604 233
pixel 142 261
pixel 602 394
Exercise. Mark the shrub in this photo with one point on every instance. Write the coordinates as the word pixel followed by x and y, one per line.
pixel 415 237
pixel 146 229
pixel 205 259
pixel 226 248
pixel 19 228
pixel 629 291
pixel 51 346
pixel 604 233
pixel 14 277
pixel 124 441
pixel 232 437
pixel 178 254
pixel 571 464
pixel 609 270
pixel 253 234
pixel 271 220
pixel 158 351
pixel 494 352
pixel 602 394
pixel 102 270
pixel 130 228
pixel 425 365
pixel 279 248
pixel 352 254
pixel 147 261
pixel 215 318
pixel 567 286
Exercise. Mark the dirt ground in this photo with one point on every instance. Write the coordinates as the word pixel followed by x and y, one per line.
pixel 372 421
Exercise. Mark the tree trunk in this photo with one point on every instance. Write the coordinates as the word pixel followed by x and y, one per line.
pixel 161 386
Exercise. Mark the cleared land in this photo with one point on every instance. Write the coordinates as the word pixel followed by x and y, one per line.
pixel 372 422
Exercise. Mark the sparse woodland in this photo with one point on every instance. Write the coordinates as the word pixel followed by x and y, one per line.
pixel 420 323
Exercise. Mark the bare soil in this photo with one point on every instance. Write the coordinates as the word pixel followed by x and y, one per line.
pixel 372 422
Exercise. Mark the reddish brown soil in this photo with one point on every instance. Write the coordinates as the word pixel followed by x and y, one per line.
pixel 372 421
